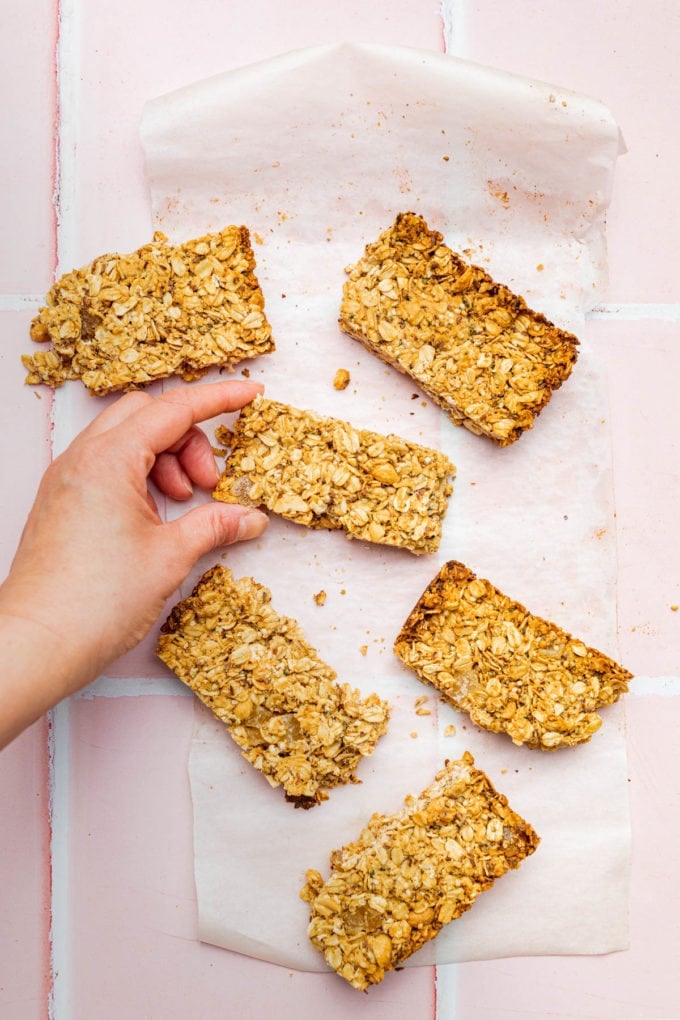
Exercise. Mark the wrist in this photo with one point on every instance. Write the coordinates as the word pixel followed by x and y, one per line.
pixel 39 666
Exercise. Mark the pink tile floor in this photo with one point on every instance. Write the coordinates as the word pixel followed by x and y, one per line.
pixel 97 912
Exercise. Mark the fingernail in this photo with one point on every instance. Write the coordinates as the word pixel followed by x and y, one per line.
pixel 186 482
pixel 251 524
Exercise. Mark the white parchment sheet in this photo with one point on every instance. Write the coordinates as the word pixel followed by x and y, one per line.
pixel 316 152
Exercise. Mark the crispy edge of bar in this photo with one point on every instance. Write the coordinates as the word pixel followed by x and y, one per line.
pixel 416 918
pixel 434 599
pixel 411 229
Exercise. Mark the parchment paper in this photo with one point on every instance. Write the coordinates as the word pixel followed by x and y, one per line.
pixel 316 152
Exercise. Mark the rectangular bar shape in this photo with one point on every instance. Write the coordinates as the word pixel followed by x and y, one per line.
pixel 511 671
pixel 472 345
pixel 125 320
pixel 279 700
pixel 323 473
pixel 410 873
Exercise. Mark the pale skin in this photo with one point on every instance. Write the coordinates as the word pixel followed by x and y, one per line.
pixel 96 564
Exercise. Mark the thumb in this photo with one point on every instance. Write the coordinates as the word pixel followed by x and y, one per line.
pixel 212 525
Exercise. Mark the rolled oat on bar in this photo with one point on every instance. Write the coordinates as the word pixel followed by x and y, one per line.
pixel 472 344
pixel 279 700
pixel 323 473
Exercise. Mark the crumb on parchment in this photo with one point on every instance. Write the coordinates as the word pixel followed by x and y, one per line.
pixel 341 379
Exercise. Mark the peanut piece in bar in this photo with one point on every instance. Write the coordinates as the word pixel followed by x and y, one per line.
pixel 471 344
pixel 324 473
pixel 410 873
pixel 511 671
pixel 125 320
pixel 279 700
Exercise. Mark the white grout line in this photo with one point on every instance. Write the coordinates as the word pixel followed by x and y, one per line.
pixel 636 312
pixel 446 998
pixel 134 687
pixel 21 302
pixel 68 118
pixel 453 17
pixel 632 311
pixel 59 807
pixel 64 199
pixel 663 686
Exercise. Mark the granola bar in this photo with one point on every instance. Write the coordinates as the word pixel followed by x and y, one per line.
pixel 472 345
pixel 280 702
pixel 125 320
pixel 323 473
pixel 410 873
pixel 512 672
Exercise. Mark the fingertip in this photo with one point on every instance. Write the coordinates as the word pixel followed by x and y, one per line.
pixel 247 389
pixel 170 477
pixel 251 525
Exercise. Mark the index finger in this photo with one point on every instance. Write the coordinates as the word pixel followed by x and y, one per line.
pixel 165 420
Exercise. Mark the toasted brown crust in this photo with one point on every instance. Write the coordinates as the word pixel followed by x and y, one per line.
pixel 511 671
pixel 472 344
pixel 323 473
pixel 409 874
pixel 125 320
pixel 279 700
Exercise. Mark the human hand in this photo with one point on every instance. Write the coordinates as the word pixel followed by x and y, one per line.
pixel 96 564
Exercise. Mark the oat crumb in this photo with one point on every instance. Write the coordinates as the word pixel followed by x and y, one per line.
pixel 341 379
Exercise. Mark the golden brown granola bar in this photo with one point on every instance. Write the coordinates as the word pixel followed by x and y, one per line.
pixel 323 473
pixel 125 320
pixel 472 345
pixel 278 699
pixel 410 873
pixel 512 672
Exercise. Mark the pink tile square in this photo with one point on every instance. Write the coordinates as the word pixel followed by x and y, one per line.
pixel 132 943
pixel 24 435
pixel 130 53
pixel 27 118
pixel 643 362
pixel 642 982
pixel 25 870
pixel 625 54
